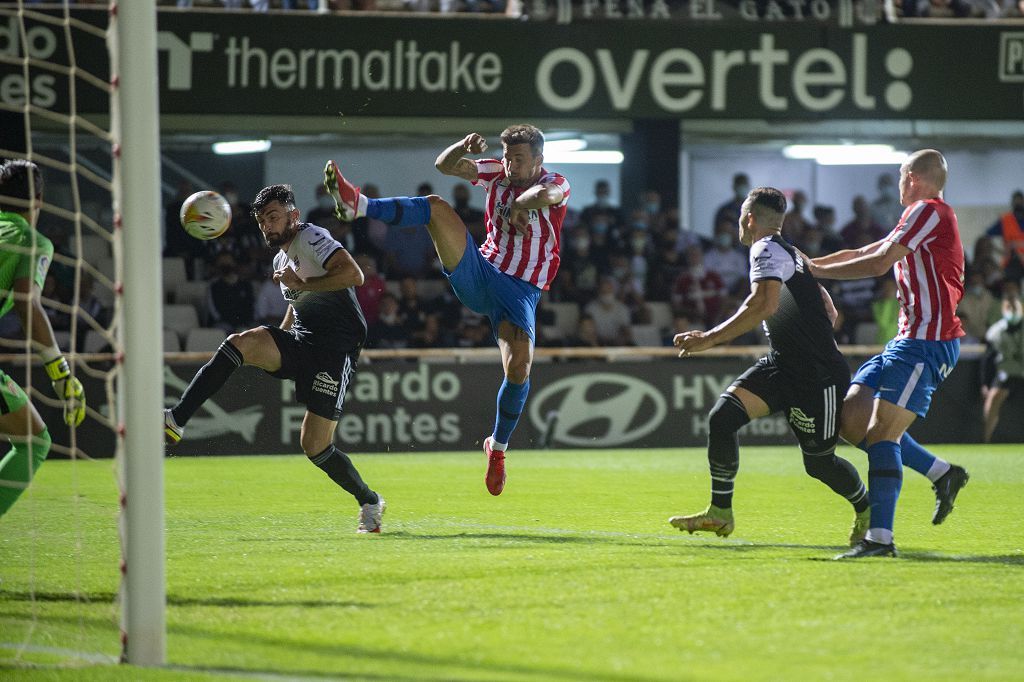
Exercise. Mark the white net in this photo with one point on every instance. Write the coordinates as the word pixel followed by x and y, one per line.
pixel 58 602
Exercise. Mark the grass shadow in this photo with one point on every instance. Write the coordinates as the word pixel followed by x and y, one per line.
pixel 173 600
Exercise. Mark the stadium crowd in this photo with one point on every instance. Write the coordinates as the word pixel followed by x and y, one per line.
pixel 889 10
pixel 628 276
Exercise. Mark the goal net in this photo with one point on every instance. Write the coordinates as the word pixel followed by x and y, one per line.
pixel 73 104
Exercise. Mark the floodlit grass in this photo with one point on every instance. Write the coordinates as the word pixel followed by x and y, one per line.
pixel 572 574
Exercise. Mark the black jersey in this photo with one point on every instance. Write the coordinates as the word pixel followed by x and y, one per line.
pixel 799 332
pixel 323 318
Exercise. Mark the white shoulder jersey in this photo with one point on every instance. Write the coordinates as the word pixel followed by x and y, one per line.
pixel 769 260
pixel 799 331
pixel 329 317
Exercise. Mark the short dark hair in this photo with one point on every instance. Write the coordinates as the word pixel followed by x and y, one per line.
pixel 267 195
pixel 768 198
pixel 19 177
pixel 524 133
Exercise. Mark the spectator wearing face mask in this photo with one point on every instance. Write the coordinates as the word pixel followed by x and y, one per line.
pixel 1007 340
pixel 472 217
pixel 581 267
pixel 602 206
pixel 730 210
pixel 605 235
pixel 886 209
pixel 640 251
pixel 322 214
pixel 698 290
pixel 978 308
pixel 725 259
pixel 230 299
pixel 795 223
pixel 1010 228
pixel 611 316
pixel 862 230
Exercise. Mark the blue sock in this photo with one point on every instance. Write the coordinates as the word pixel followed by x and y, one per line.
pixel 912 454
pixel 511 399
pixel 399 211
pixel 915 456
pixel 885 478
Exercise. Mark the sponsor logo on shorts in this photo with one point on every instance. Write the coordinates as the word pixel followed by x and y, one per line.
pixel 801 421
pixel 323 383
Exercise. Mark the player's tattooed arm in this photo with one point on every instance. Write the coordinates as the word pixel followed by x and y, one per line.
pixel 452 162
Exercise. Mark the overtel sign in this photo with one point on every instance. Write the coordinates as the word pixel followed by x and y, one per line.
pixel 644 68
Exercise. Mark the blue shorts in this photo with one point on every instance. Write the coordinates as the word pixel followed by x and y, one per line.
pixel 486 290
pixel 908 371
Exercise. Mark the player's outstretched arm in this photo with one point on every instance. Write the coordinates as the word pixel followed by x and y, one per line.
pixel 342 272
pixel 539 196
pixel 866 263
pixel 451 161
pixel 29 309
pixel 759 305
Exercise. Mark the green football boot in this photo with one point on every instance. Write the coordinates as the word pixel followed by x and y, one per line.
pixel 712 520
pixel 861 523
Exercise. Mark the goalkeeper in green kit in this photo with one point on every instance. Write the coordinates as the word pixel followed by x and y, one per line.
pixel 25 257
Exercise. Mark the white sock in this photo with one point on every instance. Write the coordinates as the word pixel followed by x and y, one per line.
pixel 495 445
pixel 938 469
pixel 882 536
pixel 361 205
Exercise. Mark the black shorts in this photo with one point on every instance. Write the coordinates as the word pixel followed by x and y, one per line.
pixel 812 403
pixel 321 374
pixel 1013 384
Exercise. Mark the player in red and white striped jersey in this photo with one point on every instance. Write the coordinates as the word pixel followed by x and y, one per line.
pixel 529 252
pixel 505 277
pixel 930 277
pixel 895 387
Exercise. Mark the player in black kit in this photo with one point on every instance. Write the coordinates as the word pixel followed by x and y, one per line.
pixel 316 345
pixel 804 374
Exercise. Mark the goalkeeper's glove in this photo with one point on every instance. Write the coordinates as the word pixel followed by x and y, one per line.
pixel 68 389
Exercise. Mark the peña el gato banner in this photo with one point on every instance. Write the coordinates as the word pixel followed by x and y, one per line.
pixel 298 64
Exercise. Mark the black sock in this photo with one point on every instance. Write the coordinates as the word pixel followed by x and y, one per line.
pixel 839 475
pixel 726 418
pixel 339 467
pixel 207 381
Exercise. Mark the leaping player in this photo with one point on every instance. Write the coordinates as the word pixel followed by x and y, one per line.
pixel 503 280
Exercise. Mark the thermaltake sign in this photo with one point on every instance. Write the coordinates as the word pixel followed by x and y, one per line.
pixel 309 65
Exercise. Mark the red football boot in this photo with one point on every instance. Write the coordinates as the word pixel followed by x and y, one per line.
pixel 495 468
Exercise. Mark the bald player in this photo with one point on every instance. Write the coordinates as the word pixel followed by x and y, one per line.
pixel 895 387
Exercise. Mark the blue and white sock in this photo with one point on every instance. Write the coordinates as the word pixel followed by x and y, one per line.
pixel 885 478
pixel 398 211
pixel 511 399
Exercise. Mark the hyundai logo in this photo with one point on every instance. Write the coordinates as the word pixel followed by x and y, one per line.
pixel 599 409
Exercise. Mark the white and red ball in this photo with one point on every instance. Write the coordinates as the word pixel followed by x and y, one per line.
pixel 205 215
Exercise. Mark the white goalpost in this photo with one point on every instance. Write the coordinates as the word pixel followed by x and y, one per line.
pixel 110 217
pixel 135 125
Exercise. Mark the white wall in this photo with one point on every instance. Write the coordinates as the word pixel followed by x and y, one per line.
pixel 397 171
pixel 980 183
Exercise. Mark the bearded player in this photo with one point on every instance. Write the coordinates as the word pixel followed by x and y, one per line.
pixel 503 280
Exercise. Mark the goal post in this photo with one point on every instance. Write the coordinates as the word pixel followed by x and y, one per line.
pixel 135 124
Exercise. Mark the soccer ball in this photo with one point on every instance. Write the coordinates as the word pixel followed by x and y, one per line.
pixel 206 215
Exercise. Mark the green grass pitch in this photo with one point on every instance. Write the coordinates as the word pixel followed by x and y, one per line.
pixel 572 574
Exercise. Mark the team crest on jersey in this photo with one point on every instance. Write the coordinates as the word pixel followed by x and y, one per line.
pixel 323 383
pixel 801 421
pixel 42 266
